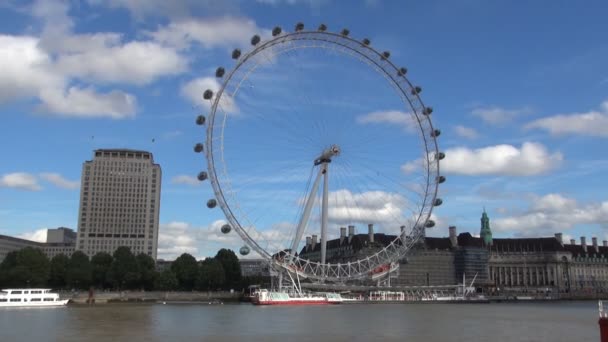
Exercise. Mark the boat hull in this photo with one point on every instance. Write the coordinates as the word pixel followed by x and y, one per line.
pixel 265 297
pixel 294 302
pixel 33 304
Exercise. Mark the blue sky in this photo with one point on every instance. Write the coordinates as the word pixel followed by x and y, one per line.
pixel 520 94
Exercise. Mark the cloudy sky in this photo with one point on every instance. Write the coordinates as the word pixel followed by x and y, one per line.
pixel 519 92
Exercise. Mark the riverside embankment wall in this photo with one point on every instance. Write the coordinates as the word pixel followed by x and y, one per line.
pixel 152 296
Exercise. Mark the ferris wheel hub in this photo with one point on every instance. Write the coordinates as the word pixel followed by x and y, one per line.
pixel 328 154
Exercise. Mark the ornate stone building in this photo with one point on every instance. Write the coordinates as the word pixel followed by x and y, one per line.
pixel 497 265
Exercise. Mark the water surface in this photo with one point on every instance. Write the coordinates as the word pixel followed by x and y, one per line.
pixel 552 321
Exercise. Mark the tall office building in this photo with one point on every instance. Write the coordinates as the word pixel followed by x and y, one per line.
pixel 119 202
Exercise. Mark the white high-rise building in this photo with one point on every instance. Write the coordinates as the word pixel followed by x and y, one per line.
pixel 119 202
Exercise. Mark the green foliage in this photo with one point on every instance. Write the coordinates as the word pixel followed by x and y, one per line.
pixel 58 278
pixel 124 273
pixel 166 281
pixel 35 266
pixel 6 269
pixel 186 270
pixel 147 272
pixel 123 270
pixel 211 275
pixel 79 272
pixel 26 267
pixel 101 263
pixel 232 268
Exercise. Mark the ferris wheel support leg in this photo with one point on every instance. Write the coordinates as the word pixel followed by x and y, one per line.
pixel 325 171
pixel 306 214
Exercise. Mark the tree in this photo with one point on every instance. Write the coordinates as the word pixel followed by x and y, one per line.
pixel 211 275
pixel 25 267
pixel 166 281
pixel 186 271
pixel 58 277
pixel 147 272
pixel 101 263
pixel 6 269
pixel 232 268
pixel 79 271
pixel 123 272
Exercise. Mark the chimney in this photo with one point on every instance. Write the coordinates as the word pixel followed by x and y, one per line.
pixel 308 243
pixel 342 234
pixel 351 233
pixel 370 231
pixel 572 242
pixel 594 242
pixel 605 244
pixel 453 237
pixel 584 243
pixel 558 237
pixel 314 242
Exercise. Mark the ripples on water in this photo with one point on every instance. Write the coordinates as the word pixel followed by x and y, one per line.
pixel 553 321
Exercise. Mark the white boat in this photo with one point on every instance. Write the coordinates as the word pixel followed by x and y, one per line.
pixel 265 297
pixel 30 298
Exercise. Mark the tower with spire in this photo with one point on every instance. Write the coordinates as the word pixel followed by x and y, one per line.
pixel 485 232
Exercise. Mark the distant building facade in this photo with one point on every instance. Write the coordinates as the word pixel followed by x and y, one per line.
pixel 548 263
pixel 61 235
pixel 50 248
pixel 494 265
pixel 119 202
pixel 254 268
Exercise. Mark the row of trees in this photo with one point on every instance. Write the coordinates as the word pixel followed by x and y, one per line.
pixel 29 267
pixel 220 272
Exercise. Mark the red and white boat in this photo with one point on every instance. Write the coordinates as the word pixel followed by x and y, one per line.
pixel 265 297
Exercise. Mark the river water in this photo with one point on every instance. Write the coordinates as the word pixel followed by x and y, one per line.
pixel 549 321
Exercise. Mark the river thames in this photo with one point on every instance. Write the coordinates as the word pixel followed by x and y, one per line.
pixel 548 321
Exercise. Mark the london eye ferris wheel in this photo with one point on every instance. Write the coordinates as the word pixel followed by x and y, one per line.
pixel 311 131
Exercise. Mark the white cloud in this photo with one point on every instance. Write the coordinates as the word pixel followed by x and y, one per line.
pixel 185 179
pixel 228 32
pixel 178 237
pixel 528 160
pixel 140 9
pixel 497 115
pixel 592 123
pixel 391 117
pixel 385 209
pixel 136 62
pixel 174 238
pixel 20 180
pixel 315 4
pixel 38 235
pixel 552 213
pixel 87 102
pixel 44 67
pixel 59 181
pixel 26 69
pixel 102 56
pixel 30 72
pixel 194 90
pixel 466 132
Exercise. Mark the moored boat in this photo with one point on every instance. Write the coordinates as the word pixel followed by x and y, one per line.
pixel 30 298
pixel 265 297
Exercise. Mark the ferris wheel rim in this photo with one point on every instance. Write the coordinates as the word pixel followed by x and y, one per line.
pixel 398 247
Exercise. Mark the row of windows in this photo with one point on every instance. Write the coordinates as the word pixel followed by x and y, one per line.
pixel 141 241
pixel 93 251
pixel 25 300
pixel 117 235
